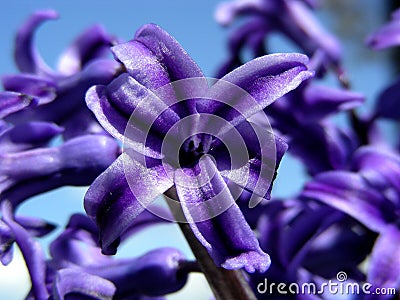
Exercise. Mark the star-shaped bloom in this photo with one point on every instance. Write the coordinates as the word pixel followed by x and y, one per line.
pixel 291 18
pixel 184 143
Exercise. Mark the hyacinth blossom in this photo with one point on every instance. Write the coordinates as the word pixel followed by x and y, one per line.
pixel 302 118
pixel 299 234
pixel 205 144
pixel 152 60
pixel 39 93
pixel 78 268
pixel 290 18
pixel 370 193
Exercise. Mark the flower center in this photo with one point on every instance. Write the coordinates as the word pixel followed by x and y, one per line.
pixel 193 148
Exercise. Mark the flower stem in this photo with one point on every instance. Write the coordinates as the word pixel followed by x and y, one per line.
pixel 225 284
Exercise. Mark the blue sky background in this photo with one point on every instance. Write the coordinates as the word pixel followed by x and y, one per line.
pixel 193 25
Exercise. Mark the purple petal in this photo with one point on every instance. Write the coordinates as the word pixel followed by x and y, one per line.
pixel 301 26
pixel 76 162
pixel 34 227
pixel 387 36
pixel 27 135
pixel 385 256
pixel 227 237
pixel 142 64
pixel 265 79
pixel 81 123
pixel 252 35
pixel 351 194
pixel 346 242
pixel 31 251
pixel 76 247
pixel 26 56
pixel 227 12
pixel 322 147
pixel 112 200
pixel 41 88
pixel 137 276
pixel 154 58
pixel 381 168
pixel 6 244
pixel 321 101
pixel 114 105
pixel 388 102
pixel 168 52
pixel 79 282
pixel 94 42
pixel 11 102
pixel 70 93
pixel 297 239
pixel 257 175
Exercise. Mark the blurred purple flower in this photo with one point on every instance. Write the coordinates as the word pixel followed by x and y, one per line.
pixel 299 235
pixel 301 117
pixel 370 194
pixel 291 18
pixel 153 60
pixel 57 96
pixel 388 35
pixel 77 268
pixel 387 103
pixel 156 273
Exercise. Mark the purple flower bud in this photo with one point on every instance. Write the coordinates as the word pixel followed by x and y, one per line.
pixel 76 162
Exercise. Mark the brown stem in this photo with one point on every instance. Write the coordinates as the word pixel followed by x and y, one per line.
pixel 225 284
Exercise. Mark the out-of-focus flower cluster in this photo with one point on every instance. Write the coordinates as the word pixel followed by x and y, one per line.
pixel 65 127
pixel 346 218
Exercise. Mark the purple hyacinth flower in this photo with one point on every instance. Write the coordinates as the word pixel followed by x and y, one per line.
pixel 153 59
pixel 77 268
pixel 371 195
pixel 57 95
pixel 388 35
pixel 31 171
pixel 291 18
pixel 302 117
pixel 76 251
pixel 299 235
